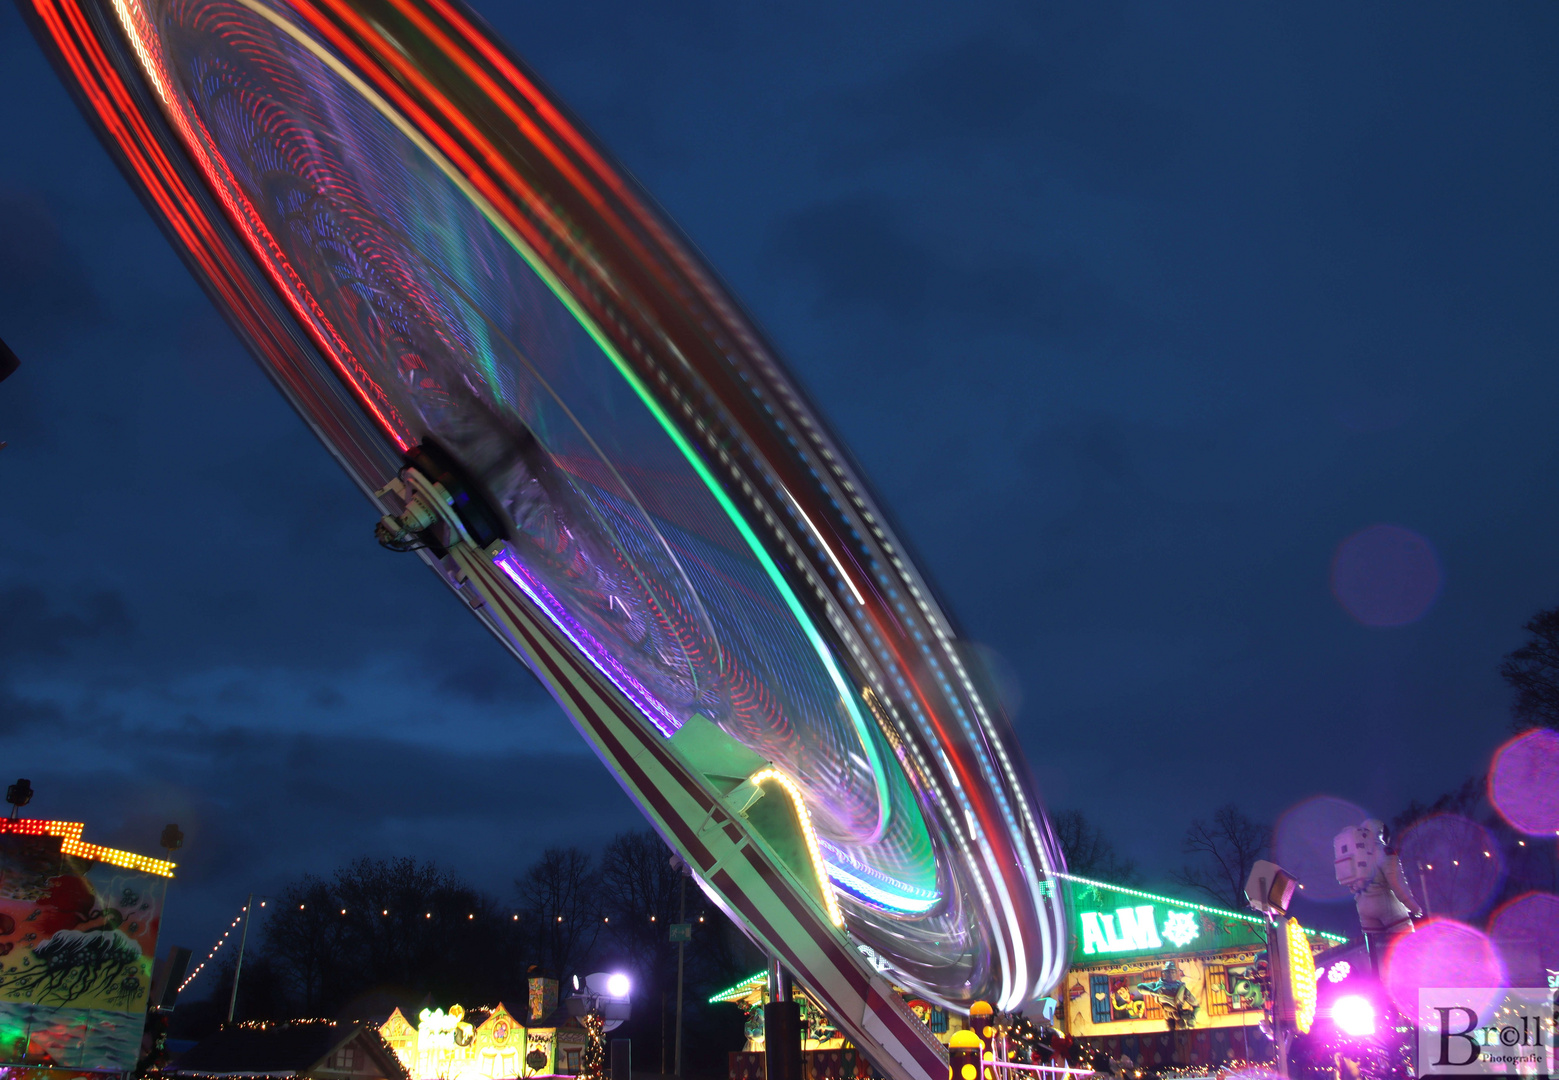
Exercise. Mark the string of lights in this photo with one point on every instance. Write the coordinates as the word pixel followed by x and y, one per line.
pixel 514 916
pixel 238 919
pixel 384 913
pixel 1224 913
pixel 217 947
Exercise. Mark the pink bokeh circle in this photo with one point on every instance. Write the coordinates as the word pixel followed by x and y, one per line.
pixel 1526 932
pixel 1454 863
pixel 1302 844
pixel 1386 576
pixel 1441 953
pixel 1524 782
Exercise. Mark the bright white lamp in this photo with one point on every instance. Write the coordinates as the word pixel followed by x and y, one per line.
pixel 1354 1015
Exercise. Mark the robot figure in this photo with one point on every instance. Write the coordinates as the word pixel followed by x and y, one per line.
pixel 1173 996
pixel 1371 870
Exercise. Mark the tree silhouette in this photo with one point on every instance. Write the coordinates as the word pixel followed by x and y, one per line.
pixel 381 932
pixel 306 938
pixel 1224 851
pixel 1089 853
pixel 561 908
pixel 639 891
pixel 1533 672
pixel 395 925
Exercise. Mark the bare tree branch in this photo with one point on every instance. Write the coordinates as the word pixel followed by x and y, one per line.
pixel 1088 852
pixel 1224 851
pixel 559 895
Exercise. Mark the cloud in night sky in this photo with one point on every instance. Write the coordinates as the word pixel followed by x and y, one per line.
pixel 1132 314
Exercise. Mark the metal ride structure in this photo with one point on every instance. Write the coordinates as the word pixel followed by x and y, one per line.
pixel 553 401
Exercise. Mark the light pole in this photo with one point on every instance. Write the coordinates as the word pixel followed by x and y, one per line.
pixel 682 937
pixel 238 968
pixel 681 933
pixel 243 939
pixel 1270 890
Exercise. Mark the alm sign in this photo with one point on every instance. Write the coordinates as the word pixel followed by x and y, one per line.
pixel 1137 929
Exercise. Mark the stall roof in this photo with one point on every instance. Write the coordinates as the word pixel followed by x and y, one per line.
pixel 1116 920
pixel 741 989
pixel 297 1048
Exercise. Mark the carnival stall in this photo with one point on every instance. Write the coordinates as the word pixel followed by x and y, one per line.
pixel 1168 981
pixel 78 934
pixel 489 1043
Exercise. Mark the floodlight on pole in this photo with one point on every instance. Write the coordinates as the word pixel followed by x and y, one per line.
pixel 1270 889
pixel 18 795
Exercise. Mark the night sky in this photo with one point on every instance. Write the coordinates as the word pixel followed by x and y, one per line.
pixel 1133 314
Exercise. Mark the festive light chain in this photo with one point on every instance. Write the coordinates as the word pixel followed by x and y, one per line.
pixel 746 984
pixel 1336 939
pixel 830 901
pixel 220 942
pixel 385 912
pixel 1227 1070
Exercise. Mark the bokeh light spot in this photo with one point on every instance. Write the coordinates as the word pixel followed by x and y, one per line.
pixel 1302 844
pixel 1354 1014
pixel 1444 856
pixel 1524 782
pixel 1526 932
pixel 1442 952
pixel 1386 575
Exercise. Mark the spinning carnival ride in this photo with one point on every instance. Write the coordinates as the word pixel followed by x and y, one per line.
pixel 553 400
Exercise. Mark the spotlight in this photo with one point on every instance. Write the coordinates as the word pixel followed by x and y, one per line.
pixel 1354 1015
pixel 617 985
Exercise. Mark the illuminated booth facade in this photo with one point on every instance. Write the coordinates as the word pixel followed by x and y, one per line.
pixel 487 1044
pixel 1167 981
pixel 78 935
pixel 827 1054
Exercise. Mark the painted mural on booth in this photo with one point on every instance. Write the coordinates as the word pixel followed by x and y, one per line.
pixel 77 941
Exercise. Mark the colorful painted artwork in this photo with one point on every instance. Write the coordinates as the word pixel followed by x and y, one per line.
pixel 543 999
pixel 77 938
pixel 1246 992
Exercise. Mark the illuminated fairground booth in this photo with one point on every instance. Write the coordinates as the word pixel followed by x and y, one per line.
pixel 827 1054
pixel 78 934
pixel 1157 979
pixel 1169 981
pixel 487 1043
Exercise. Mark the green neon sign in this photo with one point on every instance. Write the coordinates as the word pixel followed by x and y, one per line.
pixel 1137 929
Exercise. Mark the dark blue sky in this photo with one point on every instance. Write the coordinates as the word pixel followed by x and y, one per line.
pixel 1132 313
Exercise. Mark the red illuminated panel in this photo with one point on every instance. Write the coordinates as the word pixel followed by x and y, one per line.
pixel 71 843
